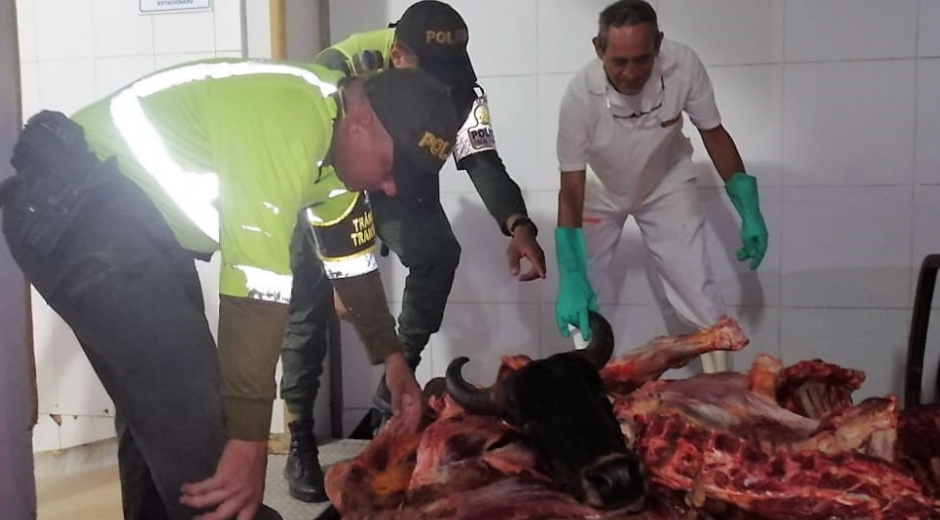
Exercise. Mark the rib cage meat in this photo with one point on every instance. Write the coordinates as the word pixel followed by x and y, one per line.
pixel 775 442
pixel 706 463
pixel 814 387
pixel 727 438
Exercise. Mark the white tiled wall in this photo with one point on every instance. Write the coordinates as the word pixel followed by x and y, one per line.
pixel 838 30
pixel 833 106
pixel 927 153
pixel 849 123
pixel 73 52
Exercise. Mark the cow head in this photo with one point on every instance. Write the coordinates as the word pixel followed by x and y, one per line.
pixel 561 406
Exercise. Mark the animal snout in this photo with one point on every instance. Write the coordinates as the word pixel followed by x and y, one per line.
pixel 613 481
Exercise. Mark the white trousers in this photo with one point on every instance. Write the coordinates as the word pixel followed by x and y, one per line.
pixel 672 227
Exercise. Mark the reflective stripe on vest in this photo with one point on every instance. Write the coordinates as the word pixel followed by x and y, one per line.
pixel 265 285
pixel 193 192
pixel 350 267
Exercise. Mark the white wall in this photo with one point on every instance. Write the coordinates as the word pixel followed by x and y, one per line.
pixel 834 107
pixel 74 52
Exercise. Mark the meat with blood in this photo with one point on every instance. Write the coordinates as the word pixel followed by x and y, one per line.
pixel 775 442
pixel 814 387
pixel 647 363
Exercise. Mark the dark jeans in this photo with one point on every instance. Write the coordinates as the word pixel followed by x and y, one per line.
pixel 131 294
pixel 425 244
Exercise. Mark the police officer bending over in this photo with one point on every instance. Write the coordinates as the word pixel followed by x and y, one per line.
pixel 432 36
pixel 109 208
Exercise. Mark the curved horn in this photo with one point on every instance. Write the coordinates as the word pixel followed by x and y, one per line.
pixel 471 398
pixel 601 346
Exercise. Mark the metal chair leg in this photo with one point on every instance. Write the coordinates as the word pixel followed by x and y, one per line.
pixel 917 338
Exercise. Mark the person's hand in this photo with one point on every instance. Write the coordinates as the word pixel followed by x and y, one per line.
pixel 742 189
pixel 575 299
pixel 236 489
pixel 753 239
pixel 524 245
pixel 407 400
pixel 341 311
pixel 575 295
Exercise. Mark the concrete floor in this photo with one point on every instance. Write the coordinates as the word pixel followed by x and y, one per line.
pixel 96 495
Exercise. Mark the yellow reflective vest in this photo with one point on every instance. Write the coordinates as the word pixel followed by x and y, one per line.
pixel 231 151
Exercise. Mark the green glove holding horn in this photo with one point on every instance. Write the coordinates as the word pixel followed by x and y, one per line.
pixel 575 294
pixel 742 188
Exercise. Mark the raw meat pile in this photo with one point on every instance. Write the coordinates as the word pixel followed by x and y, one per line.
pixel 771 443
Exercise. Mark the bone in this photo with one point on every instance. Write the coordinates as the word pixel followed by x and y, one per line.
pixel 762 379
pixel 817 398
pixel 663 353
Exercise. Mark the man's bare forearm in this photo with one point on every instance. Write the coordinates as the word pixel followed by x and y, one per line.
pixel 722 151
pixel 571 199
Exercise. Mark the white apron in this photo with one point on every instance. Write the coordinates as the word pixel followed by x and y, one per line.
pixel 657 187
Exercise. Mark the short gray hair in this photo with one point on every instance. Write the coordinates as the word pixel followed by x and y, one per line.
pixel 625 12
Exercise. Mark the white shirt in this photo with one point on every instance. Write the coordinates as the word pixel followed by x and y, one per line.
pixel 630 156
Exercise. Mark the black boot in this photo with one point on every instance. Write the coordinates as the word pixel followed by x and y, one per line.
pixel 302 471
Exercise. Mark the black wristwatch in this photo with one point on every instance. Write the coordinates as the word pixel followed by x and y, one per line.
pixel 523 220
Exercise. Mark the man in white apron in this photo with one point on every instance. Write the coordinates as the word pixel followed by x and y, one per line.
pixel 622 115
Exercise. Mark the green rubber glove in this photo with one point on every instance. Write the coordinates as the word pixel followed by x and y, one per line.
pixel 742 188
pixel 575 295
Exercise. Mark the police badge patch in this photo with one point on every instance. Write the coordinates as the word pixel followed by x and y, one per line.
pixel 476 134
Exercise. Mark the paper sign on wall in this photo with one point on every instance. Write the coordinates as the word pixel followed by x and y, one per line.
pixel 173 6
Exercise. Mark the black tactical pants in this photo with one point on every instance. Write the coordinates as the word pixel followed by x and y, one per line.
pixel 102 256
pixel 306 339
pixel 425 244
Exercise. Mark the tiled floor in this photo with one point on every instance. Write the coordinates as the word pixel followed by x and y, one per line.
pixel 96 495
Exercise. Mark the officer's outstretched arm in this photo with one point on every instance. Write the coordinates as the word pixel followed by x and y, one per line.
pixel 475 151
pixel 346 246
pixel 364 298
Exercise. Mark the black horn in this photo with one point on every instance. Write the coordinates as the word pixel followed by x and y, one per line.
pixel 601 346
pixel 473 399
